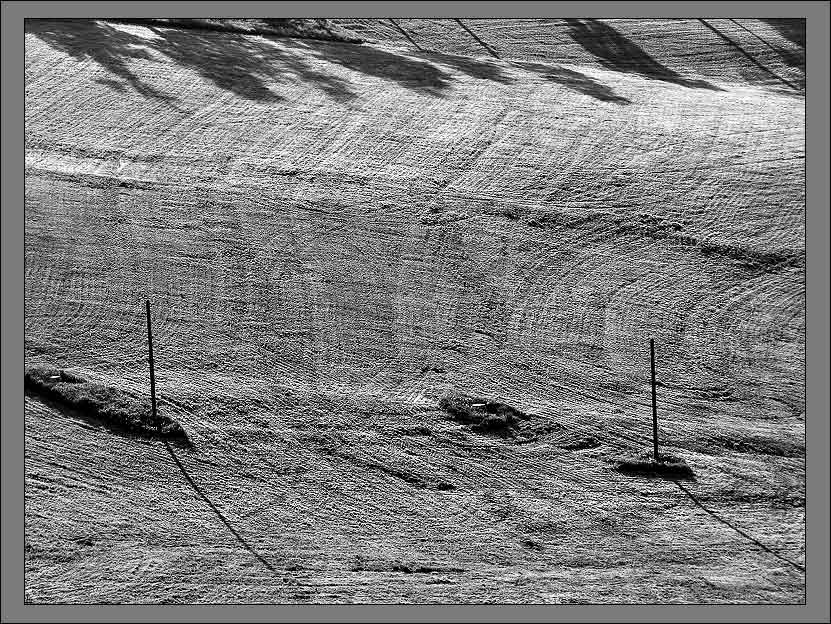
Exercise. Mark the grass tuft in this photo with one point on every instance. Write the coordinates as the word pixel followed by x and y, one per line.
pixel 482 415
pixel 109 405
pixel 669 467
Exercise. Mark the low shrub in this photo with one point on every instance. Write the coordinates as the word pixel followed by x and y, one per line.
pixel 580 444
pixel 668 467
pixel 482 415
pixel 110 405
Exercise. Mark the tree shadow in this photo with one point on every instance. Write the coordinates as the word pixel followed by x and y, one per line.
pixel 575 80
pixel 411 73
pixel 245 66
pixel 248 66
pixel 752 58
pixel 113 84
pixel 229 60
pixel 470 66
pixel 107 46
pixel 486 70
pixel 619 53
pixel 793 29
pixel 236 64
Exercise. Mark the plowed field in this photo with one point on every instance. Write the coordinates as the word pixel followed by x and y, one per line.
pixel 333 235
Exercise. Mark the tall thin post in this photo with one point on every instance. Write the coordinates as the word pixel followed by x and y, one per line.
pixel 654 401
pixel 152 372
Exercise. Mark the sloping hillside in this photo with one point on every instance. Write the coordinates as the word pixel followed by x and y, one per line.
pixel 333 235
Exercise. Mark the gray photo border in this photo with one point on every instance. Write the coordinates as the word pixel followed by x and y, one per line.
pixel 817 296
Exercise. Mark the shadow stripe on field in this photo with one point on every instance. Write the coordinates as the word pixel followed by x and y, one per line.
pixel 767 549
pixel 219 514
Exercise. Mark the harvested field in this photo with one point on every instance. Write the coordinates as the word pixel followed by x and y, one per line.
pixel 336 235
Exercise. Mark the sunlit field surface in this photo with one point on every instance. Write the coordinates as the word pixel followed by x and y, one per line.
pixel 333 236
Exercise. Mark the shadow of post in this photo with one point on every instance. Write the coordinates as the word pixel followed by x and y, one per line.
pixel 727 523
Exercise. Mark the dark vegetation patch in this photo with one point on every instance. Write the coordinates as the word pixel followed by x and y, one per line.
pixel 511 213
pixel 412 569
pixel 483 415
pixel 457 347
pixel 554 427
pixel 652 223
pixel 432 369
pixel 114 408
pixel 764 446
pixel 555 220
pixel 655 226
pixel 778 500
pixel 532 544
pixel 672 229
pixel 588 442
pixel 364 564
pixel 550 433
pixel 419 430
pixel 443 218
pixel 757 260
pixel 669 467
pixel 752 258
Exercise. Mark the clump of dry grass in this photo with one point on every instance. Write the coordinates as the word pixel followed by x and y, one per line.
pixel 482 415
pixel 112 406
pixel 362 563
pixel 669 467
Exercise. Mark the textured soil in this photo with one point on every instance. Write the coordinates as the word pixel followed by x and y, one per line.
pixel 335 235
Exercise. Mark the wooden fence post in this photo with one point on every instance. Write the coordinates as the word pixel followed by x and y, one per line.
pixel 152 372
pixel 654 403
